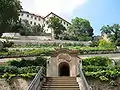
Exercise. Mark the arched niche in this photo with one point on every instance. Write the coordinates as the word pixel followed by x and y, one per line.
pixel 64 69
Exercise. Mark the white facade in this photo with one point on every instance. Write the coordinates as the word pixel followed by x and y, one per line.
pixel 35 20
pixel 32 18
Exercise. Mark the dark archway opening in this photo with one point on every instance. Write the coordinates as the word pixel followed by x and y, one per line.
pixel 64 69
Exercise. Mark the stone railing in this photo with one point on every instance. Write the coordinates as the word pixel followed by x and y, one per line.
pixel 85 84
pixel 37 82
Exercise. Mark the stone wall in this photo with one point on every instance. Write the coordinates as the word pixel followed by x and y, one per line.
pixel 100 85
pixel 35 37
pixel 15 84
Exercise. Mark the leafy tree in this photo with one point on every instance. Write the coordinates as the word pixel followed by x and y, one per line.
pixel 113 31
pixel 105 44
pixel 9 13
pixel 38 30
pixel 55 24
pixel 81 29
pixel 24 28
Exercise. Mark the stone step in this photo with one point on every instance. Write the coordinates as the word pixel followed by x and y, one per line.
pixel 61 80
pixel 60 89
pixel 60 84
pixel 61 77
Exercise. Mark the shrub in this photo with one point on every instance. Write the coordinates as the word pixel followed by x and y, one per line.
pixel 39 61
pixel 94 44
pixel 97 61
pixel 106 44
pixel 103 78
pixel 22 70
pixel 9 69
pixel 8 43
pixel 102 72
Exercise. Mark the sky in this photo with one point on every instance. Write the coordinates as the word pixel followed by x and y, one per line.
pixel 98 12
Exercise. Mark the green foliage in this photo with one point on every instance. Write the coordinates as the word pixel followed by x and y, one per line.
pixel 9 14
pixel 37 30
pixel 81 29
pixel 56 25
pixel 8 43
pixel 100 68
pixel 112 31
pixel 46 50
pixel 103 78
pixel 97 61
pixel 21 70
pixel 47 45
pixel 117 42
pixel 9 72
pixel 29 52
pixel 39 61
pixel 102 72
pixel 105 44
pixel 24 28
pixel 94 44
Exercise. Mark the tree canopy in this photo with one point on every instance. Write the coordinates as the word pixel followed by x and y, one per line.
pixel 81 29
pixel 56 25
pixel 9 13
pixel 38 30
pixel 112 31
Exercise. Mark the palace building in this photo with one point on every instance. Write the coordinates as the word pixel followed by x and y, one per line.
pixel 34 19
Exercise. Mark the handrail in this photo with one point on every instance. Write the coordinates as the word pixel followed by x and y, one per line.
pixel 37 81
pixel 86 86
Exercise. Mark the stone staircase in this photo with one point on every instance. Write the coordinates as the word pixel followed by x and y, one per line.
pixel 60 83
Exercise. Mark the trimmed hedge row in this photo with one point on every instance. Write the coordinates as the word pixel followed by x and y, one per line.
pixel 103 73
pixel 97 61
pixel 22 70
pixel 19 53
pixel 47 52
pixel 101 68
pixel 39 61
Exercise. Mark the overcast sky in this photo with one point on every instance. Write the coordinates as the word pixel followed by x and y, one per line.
pixel 98 12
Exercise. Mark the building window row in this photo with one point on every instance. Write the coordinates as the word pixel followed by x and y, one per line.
pixel 35 17
pixel 33 22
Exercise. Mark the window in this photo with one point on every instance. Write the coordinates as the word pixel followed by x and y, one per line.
pixel 35 18
pixel 64 22
pixel 39 19
pixel 22 14
pixel 34 23
pixel 27 15
pixel 31 16
pixel 30 22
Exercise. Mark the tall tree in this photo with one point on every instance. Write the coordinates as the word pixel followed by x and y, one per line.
pixel 9 13
pixel 81 29
pixel 113 31
pixel 25 28
pixel 106 29
pixel 56 25
pixel 38 30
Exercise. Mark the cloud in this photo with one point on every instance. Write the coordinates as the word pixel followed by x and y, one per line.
pixel 43 7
